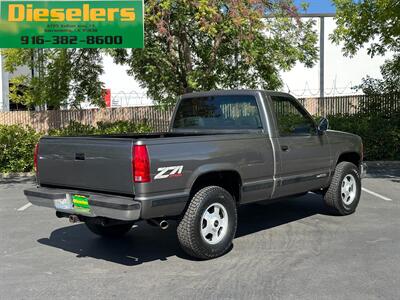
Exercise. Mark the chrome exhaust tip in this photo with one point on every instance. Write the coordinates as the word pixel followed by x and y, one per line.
pixel 73 219
pixel 164 225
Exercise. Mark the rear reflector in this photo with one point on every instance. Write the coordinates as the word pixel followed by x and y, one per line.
pixel 35 157
pixel 140 164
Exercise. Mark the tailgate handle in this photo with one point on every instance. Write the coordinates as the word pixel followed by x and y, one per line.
pixel 79 156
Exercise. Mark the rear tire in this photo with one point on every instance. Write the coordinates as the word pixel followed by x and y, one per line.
pixel 209 224
pixel 109 231
pixel 344 192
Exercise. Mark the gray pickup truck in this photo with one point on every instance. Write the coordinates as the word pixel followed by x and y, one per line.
pixel 223 149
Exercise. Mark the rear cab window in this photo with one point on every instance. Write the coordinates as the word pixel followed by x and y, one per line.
pixel 231 112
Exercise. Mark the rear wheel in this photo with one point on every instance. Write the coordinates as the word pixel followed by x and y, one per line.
pixel 109 231
pixel 209 224
pixel 344 192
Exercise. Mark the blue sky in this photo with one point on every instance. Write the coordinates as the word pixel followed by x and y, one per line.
pixel 318 6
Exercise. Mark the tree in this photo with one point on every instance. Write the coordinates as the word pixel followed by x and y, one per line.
pixel 390 83
pixel 63 77
pixel 377 23
pixel 210 44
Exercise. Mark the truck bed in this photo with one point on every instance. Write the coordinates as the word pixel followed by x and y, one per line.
pixel 97 162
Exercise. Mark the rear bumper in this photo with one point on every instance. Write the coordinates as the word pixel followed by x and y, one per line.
pixel 101 205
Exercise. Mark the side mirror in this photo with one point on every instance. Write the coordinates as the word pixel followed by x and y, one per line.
pixel 323 125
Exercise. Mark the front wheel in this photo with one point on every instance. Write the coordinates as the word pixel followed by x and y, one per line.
pixel 344 192
pixel 209 224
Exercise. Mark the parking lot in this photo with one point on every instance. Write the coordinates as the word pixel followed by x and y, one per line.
pixel 293 249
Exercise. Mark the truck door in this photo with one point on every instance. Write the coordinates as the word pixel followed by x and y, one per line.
pixel 303 153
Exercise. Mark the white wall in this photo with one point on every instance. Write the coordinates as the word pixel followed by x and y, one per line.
pixel 341 73
pixel 125 90
pixel 4 87
pixel 4 83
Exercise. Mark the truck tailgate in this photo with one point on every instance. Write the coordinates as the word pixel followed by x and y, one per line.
pixel 88 163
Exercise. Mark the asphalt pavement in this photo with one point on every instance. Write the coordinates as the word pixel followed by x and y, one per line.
pixel 292 249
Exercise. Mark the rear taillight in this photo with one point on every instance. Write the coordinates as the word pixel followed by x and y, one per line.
pixel 140 164
pixel 35 157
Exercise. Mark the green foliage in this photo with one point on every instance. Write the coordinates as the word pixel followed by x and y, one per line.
pixel 73 128
pixel 377 23
pixel 380 134
pixel 204 45
pixel 62 77
pixel 119 127
pixel 189 46
pixel 17 144
pixel 390 83
pixel 361 22
pixel 122 127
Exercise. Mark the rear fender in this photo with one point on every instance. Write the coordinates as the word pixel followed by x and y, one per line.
pixel 204 169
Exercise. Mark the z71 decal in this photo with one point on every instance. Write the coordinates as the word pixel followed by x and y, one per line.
pixel 169 172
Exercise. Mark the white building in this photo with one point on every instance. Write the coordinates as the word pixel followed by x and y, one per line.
pixel 341 73
pixel 5 84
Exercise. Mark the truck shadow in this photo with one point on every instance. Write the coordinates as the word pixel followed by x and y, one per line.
pixel 146 243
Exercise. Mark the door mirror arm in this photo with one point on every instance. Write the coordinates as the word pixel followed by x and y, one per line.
pixel 323 125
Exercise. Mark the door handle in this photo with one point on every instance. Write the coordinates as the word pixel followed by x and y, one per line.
pixel 285 148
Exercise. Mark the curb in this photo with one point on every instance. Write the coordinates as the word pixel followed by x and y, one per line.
pixel 17 176
pixel 394 163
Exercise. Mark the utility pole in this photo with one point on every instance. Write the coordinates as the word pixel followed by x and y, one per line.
pixel 37 71
pixel 322 57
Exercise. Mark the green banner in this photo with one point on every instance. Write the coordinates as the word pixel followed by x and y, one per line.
pixel 71 24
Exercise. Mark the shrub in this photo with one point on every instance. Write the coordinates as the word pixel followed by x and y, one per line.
pixel 119 127
pixel 380 133
pixel 74 128
pixel 17 144
pixel 122 127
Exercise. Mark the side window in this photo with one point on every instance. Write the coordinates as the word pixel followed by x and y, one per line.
pixel 291 118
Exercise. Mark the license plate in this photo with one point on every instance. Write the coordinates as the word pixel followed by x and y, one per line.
pixel 81 203
pixel 65 203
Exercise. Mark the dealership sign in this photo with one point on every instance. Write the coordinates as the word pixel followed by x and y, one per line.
pixel 71 24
